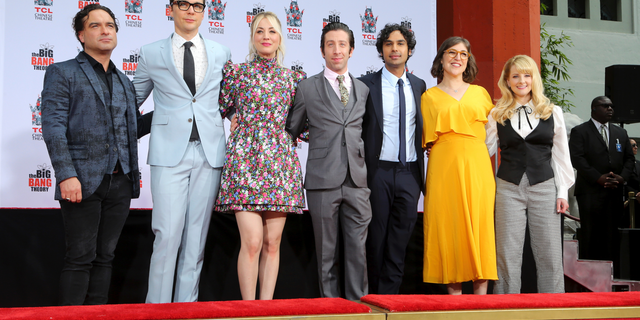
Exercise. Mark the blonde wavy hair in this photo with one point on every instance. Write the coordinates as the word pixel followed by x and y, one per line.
pixel 275 22
pixel 506 105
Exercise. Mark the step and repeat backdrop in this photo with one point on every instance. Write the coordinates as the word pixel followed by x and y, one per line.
pixel 37 33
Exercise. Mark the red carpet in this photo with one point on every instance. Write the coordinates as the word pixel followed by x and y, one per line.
pixel 399 303
pixel 194 310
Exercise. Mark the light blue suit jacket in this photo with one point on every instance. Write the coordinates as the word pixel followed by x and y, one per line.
pixel 175 106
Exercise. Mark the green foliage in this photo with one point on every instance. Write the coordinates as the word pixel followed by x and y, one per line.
pixel 553 67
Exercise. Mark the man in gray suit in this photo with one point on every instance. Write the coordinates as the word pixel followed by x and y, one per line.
pixel 332 104
pixel 186 149
pixel 90 123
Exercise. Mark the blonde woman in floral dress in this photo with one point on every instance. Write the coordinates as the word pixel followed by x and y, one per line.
pixel 261 178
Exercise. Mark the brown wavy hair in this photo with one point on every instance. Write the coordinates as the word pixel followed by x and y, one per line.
pixel 469 74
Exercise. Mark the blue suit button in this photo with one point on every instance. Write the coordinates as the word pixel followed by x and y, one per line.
pixel 107 146
pixel 194 100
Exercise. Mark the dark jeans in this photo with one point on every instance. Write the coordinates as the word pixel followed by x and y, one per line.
pixel 92 228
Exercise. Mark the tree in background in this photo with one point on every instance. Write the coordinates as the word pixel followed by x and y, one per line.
pixel 553 66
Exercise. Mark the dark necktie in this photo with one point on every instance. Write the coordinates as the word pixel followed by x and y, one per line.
pixel 189 75
pixel 189 72
pixel 403 124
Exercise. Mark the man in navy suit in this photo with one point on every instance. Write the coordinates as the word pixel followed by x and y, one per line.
pixel 90 124
pixel 392 134
pixel 603 157
pixel 186 148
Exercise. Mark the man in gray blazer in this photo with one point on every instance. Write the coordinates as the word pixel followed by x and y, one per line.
pixel 186 148
pixel 332 104
pixel 90 124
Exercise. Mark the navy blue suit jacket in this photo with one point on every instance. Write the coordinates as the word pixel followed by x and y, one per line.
pixel 372 125
pixel 75 124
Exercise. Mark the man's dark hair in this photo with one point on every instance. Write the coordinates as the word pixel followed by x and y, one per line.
pixel 389 28
pixel 337 26
pixel 82 15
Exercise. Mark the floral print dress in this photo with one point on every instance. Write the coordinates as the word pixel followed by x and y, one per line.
pixel 262 171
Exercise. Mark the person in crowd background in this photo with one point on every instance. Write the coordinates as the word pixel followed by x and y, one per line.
pixel 87 104
pixel 533 178
pixel 392 135
pixel 603 157
pixel 458 207
pixel 261 178
pixel 331 104
pixel 633 185
pixel 186 149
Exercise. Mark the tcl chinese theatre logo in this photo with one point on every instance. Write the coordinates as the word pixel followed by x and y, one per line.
pixel 36 119
pixel 216 16
pixel 368 27
pixel 133 13
pixel 294 21
pixel 44 10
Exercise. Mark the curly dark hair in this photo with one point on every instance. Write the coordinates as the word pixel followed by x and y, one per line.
pixel 386 32
pixel 469 74
pixel 82 15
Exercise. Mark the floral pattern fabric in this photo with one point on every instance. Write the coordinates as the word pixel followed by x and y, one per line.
pixel 262 171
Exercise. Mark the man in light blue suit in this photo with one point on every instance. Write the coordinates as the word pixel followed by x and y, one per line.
pixel 186 149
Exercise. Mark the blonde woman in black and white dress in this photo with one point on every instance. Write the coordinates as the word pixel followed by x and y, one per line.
pixel 533 179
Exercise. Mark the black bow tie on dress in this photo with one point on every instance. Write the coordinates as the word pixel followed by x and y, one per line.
pixel 527 110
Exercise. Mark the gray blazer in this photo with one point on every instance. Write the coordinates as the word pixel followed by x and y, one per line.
pixel 75 124
pixel 335 143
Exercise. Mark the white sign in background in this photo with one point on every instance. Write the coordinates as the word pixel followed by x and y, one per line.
pixel 36 33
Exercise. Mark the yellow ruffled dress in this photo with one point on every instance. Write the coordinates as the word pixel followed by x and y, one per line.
pixel 459 232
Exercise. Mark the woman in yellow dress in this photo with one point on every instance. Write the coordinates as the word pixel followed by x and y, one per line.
pixel 458 210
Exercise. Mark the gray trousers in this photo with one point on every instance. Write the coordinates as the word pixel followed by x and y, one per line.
pixel 516 207
pixel 345 209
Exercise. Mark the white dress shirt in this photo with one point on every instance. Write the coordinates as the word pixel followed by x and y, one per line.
pixel 332 77
pixel 198 51
pixel 560 157
pixel 391 118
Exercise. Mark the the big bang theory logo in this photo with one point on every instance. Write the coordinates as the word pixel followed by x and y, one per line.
pixel 168 12
pixel 257 8
pixel 82 4
pixel 406 22
pixel 133 11
pixel 42 58
pixel 368 27
pixel 130 64
pixel 294 21
pixel 43 10
pixel 334 16
pixel 297 65
pixel 215 12
pixel 370 70
pixel 40 181
pixel 36 120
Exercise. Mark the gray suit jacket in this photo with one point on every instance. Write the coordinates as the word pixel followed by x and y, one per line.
pixel 335 143
pixel 75 124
